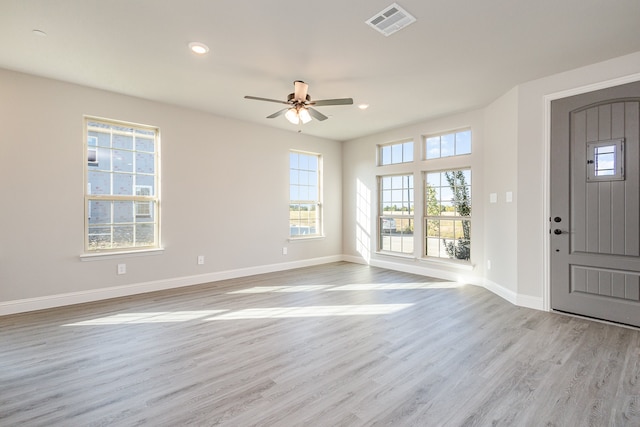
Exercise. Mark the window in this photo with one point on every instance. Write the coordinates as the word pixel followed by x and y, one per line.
pixel 450 144
pixel 391 154
pixel 605 160
pixel 121 199
pixel 395 224
pixel 448 214
pixel 143 209
pixel 305 213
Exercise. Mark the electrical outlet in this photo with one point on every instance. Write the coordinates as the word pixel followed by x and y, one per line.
pixel 284 250
pixel 200 259
pixel 122 268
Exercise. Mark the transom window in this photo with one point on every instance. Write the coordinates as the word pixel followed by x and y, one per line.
pixel 401 152
pixel 448 144
pixel 121 198
pixel 305 211
pixel 448 214
pixel 395 216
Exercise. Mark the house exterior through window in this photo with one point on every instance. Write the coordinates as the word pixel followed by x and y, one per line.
pixel 305 205
pixel 121 197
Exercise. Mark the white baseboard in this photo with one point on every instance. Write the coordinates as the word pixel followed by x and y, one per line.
pixel 52 301
pixel 423 270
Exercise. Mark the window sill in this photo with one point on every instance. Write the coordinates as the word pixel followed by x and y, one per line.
pixel 305 239
pixel 396 255
pixel 98 256
pixel 458 265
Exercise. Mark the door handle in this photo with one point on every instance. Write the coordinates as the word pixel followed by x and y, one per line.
pixel 557 231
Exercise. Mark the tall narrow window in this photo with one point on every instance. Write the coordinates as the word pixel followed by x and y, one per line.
pixel 395 220
pixel 121 199
pixel 305 208
pixel 448 214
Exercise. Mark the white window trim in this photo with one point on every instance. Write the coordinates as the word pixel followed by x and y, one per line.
pixel 426 217
pixel 380 147
pixel 381 215
pixel 88 196
pixel 319 234
pixel 441 134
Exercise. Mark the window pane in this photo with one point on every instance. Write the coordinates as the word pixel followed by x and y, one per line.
pixel 145 163
pixel 122 236
pixel 386 182
pixel 396 153
pixel 433 228
pixel 463 142
pixel 122 161
pixel 99 212
pixel 145 234
pixel 447 145
pixel 303 162
pixel 433 179
pixel 407 154
pixel 145 144
pixel 123 141
pixel 100 182
pixel 123 212
pixel 123 184
pixel 99 238
pixel 433 248
pixel 386 155
pixel 433 147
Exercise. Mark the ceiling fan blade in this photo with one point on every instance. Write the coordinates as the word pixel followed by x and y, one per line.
pixel 266 99
pixel 277 113
pixel 339 101
pixel 300 90
pixel 317 114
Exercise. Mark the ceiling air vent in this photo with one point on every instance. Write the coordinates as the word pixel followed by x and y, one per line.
pixel 390 20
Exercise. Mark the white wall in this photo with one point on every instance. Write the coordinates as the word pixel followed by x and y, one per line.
pixel 510 154
pixel 360 217
pixel 500 171
pixel 224 195
pixel 207 159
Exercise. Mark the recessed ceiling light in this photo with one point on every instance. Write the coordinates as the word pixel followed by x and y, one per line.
pixel 39 33
pixel 198 48
pixel 363 106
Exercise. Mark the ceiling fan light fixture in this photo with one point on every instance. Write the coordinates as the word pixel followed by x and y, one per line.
pixel 292 116
pixel 304 115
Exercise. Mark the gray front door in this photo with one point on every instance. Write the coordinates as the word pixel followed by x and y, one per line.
pixel 595 204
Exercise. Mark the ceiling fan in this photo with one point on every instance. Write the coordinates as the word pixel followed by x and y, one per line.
pixel 299 104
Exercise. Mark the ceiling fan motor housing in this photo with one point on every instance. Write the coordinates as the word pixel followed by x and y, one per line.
pixel 291 98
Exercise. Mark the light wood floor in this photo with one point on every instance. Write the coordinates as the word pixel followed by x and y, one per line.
pixel 334 345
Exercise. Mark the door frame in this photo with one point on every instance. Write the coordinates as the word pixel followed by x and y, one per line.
pixel 546 190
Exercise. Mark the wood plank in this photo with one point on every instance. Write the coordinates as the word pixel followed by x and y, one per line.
pixel 632 158
pixel 240 352
pixel 578 182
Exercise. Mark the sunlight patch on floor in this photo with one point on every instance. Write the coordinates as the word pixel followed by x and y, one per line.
pixel 152 317
pixel 395 286
pixel 267 289
pixel 313 311
pixel 351 287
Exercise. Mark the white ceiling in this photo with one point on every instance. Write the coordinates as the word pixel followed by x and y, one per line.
pixel 458 55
